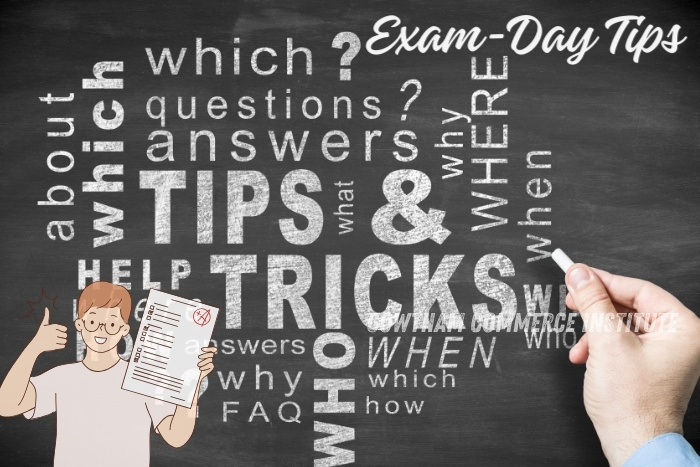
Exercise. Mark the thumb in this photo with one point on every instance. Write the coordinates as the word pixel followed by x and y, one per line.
pixel 45 321
pixel 593 302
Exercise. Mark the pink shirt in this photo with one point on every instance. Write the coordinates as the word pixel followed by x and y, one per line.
pixel 98 423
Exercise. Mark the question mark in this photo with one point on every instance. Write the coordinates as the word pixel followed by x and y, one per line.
pixel 354 45
pixel 418 86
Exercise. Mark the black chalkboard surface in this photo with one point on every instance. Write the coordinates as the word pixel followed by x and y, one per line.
pixel 594 151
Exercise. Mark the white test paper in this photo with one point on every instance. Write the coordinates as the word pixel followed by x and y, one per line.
pixel 163 362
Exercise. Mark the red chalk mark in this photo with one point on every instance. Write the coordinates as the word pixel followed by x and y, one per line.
pixel 201 316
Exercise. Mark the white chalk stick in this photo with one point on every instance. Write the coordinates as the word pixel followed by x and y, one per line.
pixel 562 259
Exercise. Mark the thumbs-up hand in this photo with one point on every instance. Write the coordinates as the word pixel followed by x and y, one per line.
pixel 49 336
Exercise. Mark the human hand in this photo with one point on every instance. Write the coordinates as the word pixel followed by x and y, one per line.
pixel 637 385
pixel 206 361
pixel 49 336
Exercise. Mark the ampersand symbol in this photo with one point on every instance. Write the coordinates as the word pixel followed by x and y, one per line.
pixel 426 225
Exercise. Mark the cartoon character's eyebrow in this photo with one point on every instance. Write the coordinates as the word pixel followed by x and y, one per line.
pixel 91 313
pixel 112 316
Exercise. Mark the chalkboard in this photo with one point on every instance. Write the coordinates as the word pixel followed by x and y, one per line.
pixel 592 148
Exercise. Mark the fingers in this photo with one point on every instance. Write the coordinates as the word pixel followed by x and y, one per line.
pixel 59 332
pixel 579 353
pixel 593 302
pixel 60 337
pixel 208 352
pixel 623 311
pixel 206 360
pixel 59 328
pixel 619 308
pixel 50 336
pixel 648 301
pixel 60 344
pixel 205 367
pixel 640 295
